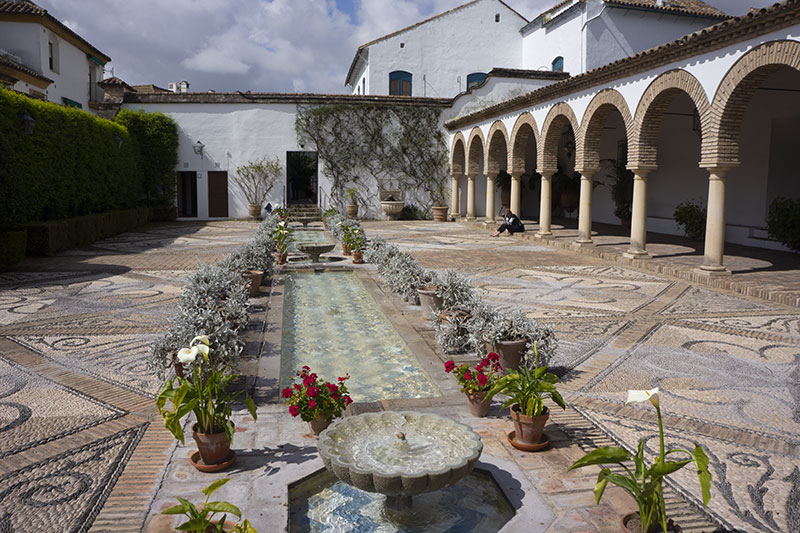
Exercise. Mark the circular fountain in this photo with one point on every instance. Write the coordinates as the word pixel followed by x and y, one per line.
pixel 399 454
pixel 315 249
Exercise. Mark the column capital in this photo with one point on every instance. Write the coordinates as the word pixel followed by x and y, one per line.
pixel 517 174
pixel 547 173
pixel 588 172
pixel 641 171
pixel 718 172
pixel 472 176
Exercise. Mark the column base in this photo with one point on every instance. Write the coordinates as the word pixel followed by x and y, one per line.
pixel 543 234
pixel 636 254
pixel 470 218
pixel 713 271
pixel 583 243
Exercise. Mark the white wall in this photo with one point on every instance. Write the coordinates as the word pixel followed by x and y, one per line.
pixel 444 49
pixel 493 91
pixel 541 45
pixel 618 32
pixel 22 39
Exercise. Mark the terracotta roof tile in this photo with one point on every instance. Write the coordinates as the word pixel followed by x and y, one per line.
pixel 21 6
pixel 688 7
pixel 10 62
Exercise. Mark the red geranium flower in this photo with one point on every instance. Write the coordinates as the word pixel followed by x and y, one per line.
pixel 482 380
pixel 312 403
pixel 467 375
pixel 312 392
pixel 449 366
pixel 294 410
pixel 348 400
pixel 287 392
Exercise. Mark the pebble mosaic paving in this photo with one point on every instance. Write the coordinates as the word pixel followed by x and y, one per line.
pixel 728 365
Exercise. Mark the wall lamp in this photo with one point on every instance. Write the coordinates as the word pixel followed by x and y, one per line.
pixel 198 148
pixel 28 122
pixel 118 140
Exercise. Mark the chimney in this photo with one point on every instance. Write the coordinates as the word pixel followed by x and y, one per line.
pixel 184 86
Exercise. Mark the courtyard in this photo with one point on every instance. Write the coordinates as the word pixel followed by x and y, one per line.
pixel 84 447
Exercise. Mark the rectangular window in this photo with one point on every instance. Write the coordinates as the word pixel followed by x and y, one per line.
pixel 50 49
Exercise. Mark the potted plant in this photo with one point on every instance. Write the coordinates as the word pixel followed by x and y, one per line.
pixel 568 186
pixel 327 215
pixel 357 245
pixel 352 207
pixel 253 261
pixel 691 217
pixel 507 333
pixel 429 299
pixel 645 483
pixel 527 388
pixel 206 395
pixel 256 179
pixel 202 520
pixel 315 401
pixel 476 382
pixel 282 237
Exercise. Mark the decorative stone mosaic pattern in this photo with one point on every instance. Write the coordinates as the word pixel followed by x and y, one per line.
pixel 64 493
pixel 323 504
pixel 35 410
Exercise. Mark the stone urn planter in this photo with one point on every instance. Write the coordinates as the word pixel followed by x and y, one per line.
pixel 510 352
pixel 477 407
pixel 352 211
pixel 255 211
pixel 429 302
pixel 252 280
pixel 528 430
pixel 214 448
pixel 392 210
pixel 439 213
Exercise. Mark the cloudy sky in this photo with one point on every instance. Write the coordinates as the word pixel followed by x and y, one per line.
pixel 258 45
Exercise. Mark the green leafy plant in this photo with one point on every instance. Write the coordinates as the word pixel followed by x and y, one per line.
pixel 645 482
pixel 353 195
pixel 257 178
pixel 205 394
pixel 309 397
pixel 282 236
pixel 527 388
pixel 413 212
pixel 622 192
pixel 783 222
pixel 328 213
pixel 691 217
pixel 202 519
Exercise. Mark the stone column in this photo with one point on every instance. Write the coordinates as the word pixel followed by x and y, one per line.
pixel 585 209
pixel 516 193
pixel 489 198
pixel 715 222
pixel 638 249
pixel 471 196
pixel 454 212
pixel 545 207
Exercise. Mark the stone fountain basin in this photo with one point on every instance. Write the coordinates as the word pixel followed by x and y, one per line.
pixel 365 451
pixel 315 249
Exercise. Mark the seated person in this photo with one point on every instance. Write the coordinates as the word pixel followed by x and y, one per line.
pixel 512 224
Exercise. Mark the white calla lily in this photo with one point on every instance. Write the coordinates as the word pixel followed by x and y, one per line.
pixel 185 355
pixel 643 395
pixel 200 338
pixel 203 349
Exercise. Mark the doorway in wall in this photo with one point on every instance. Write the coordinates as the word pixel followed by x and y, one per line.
pixel 187 194
pixel 217 193
pixel 301 178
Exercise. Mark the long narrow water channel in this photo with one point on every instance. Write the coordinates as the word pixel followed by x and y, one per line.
pixel 332 324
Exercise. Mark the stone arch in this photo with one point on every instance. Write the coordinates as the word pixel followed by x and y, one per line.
pixel 643 144
pixel 601 106
pixel 458 155
pixel 496 149
pixel 735 91
pixel 475 148
pixel 558 118
pixel 524 127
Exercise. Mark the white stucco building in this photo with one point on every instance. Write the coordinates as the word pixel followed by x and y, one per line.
pixel 41 57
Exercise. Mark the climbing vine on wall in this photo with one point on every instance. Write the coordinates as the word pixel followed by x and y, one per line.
pixel 400 146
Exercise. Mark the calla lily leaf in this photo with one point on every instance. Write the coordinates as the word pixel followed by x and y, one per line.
pixel 604 455
pixel 602 483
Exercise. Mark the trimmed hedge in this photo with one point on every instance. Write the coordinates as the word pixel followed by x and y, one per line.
pixel 783 222
pixel 70 164
pixel 48 238
pixel 155 136
pixel 12 243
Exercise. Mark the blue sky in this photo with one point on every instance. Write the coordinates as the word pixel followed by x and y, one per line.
pixel 258 45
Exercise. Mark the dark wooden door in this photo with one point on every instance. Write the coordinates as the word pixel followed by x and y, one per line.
pixel 187 194
pixel 217 194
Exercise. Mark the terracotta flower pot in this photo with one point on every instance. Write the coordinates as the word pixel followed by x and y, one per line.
pixel 281 257
pixel 319 424
pixel 439 213
pixel 630 523
pixel 510 352
pixel 352 211
pixel 255 211
pixel 214 448
pixel 345 249
pixel 252 280
pixel 569 201
pixel 477 407
pixel 429 302
pixel 528 429
pixel 358 257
